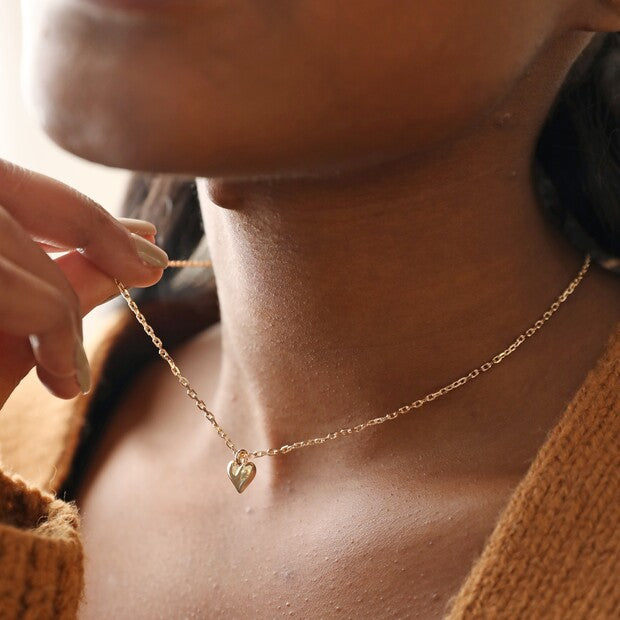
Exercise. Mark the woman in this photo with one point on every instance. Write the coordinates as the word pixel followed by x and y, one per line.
pixel 365 180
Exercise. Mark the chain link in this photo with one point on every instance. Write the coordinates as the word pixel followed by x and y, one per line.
pixel 189 263
pixel 416 404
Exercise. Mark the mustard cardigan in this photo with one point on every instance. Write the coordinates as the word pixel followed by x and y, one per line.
pixel 554 552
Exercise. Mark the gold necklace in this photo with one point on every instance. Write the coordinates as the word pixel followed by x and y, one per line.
pixel 241 470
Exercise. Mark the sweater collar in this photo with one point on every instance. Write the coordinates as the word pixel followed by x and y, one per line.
pixel 553 552
pixel 552 514
pixel 39 433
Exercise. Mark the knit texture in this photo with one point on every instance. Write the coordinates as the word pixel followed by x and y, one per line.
pixel 41 572
pixel 554 552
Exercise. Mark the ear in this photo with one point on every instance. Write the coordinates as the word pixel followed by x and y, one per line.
pixel 595 15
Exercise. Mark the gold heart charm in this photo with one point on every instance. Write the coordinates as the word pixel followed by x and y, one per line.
pixel 241 474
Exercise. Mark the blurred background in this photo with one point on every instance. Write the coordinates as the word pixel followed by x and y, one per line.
pixel 21 140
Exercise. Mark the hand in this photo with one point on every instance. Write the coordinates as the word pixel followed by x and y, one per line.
pixel 42 301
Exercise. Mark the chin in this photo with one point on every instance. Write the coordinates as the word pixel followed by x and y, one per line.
pixel 135 91
pixel 123 126
pixel 137 124
pixel 119 124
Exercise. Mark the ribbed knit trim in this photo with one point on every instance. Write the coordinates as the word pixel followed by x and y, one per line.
pixel 41 563
pixel 555 550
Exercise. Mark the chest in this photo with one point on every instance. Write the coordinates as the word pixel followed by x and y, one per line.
pixel 164 541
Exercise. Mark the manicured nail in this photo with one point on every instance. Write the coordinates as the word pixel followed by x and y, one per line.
pixel 82 368
pixel 150 254
pixel 140 227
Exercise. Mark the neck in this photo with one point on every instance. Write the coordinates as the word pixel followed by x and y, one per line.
pixel 345 298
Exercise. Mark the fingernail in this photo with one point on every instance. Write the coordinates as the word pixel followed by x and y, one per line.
pixel 140 227
pixel 149 253
pixel 82 367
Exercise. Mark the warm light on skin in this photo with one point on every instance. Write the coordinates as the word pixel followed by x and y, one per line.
pixel 278 90
pixel 275 87
pixel 364 176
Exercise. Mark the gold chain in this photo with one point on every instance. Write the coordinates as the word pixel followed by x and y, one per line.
pixel 189 263
pixel 241 471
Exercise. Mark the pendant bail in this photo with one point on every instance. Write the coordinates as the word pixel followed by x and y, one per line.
pixel 241 456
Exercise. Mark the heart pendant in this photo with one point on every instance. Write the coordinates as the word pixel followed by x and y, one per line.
pixel 241 474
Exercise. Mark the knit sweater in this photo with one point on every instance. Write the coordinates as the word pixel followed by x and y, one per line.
pixel 553 553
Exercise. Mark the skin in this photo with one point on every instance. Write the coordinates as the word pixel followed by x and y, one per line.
pixel 364 176
pixel 45 301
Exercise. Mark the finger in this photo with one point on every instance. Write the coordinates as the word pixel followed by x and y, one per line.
pixel 62 388
pixel 47 247
pixel 58 215
pixel 18 248
pixel 34 305
pixel 80 281
pixel 13 367
pixel 37 307
pixel 140 227
pixel 92 286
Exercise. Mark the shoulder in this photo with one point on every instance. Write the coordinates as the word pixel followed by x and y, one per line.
pixel 554 549
pixel 41 553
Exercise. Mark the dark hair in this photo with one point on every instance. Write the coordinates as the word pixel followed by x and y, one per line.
pixel 577 163
pixel 576 170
